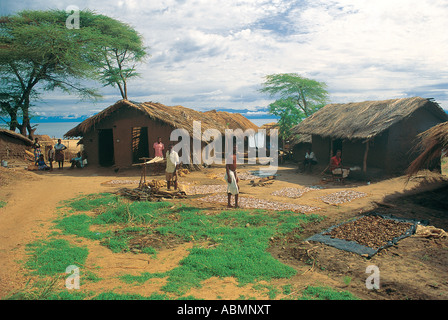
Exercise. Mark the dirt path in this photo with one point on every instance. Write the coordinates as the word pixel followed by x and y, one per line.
pixel 32 206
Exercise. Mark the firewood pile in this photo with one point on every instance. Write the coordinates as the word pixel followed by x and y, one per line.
pixel 151 191
pixel 342 197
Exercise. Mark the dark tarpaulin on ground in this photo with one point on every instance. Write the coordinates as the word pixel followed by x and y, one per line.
pixel 352 246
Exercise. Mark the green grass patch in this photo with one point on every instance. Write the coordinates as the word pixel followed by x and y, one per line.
pixel 92 202
pixel 241 239
pixel 326 293
pixel 52 257
pixel 3 203
pixel 229 243
pixel 79 225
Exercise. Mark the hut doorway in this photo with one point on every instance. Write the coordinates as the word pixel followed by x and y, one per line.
pixel 337 145
pixel 106 147
pixel 140 145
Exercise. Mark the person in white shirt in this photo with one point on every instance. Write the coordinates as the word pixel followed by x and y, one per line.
pixel 310 160
pixel 172 162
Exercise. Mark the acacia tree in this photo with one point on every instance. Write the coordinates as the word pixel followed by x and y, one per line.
pixel 121 53
pixel 38 53
pixel 297 98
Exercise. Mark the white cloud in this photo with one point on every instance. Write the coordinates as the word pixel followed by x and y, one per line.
pixel 214 54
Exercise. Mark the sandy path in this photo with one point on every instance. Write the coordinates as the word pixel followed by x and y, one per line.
pixel 32 206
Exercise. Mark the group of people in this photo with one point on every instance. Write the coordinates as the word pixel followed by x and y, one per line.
pixel 335 166
pixel 173 163
pixel 54 154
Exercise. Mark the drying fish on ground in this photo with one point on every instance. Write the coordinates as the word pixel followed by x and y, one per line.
pixel 262 182
pixel 291 192
pixel 342 196
pixel 206 188
pixel 255 203
pixel 246 176
pixel 118 182
pixel 183 172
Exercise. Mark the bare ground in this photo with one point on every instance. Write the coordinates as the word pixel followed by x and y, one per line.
pixel 416 268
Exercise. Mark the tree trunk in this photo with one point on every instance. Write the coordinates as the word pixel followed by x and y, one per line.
pixel 13 124
pixel 26 118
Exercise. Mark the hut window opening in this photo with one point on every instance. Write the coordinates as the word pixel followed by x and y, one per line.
pixel 140 145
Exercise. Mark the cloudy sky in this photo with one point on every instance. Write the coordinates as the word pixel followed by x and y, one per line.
pixel 208 54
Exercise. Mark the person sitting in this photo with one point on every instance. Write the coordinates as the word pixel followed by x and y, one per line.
pixel 309 161
pixel 40 163
pixel 77 161
pixel 336 166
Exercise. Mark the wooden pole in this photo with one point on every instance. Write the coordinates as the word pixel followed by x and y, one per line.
pixel 366 152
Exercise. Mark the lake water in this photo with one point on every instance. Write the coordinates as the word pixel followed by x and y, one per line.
pixel 54 129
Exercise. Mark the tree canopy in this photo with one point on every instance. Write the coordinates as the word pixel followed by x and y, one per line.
pixel 38 53
pixel 297 98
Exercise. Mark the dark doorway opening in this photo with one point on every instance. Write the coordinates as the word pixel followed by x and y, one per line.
pixel 337 145
pixel 106 147
pixel 140 145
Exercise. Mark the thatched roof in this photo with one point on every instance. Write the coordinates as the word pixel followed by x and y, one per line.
pixel 16 135
pixel 430 143
pixel 231 120
pixel 176 116
pixel 364 120
pixel 293 140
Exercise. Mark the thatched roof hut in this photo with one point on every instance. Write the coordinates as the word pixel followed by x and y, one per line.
pixel 231 120
pixel 364 120
pixel 15 135
pixel 125 132
pixel 372 133
pixel 177 117
pixel 13 144
pixel 430 144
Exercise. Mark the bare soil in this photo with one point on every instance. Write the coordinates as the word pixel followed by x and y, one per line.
pixel 416 268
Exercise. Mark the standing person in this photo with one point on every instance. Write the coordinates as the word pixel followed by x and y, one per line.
pixel 172 162
pixel 231 178
pixel 59 153
pixel 37 149
pixel 158 147
pixel 50 156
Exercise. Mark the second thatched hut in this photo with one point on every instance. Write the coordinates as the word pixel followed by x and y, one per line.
pixel 374 135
